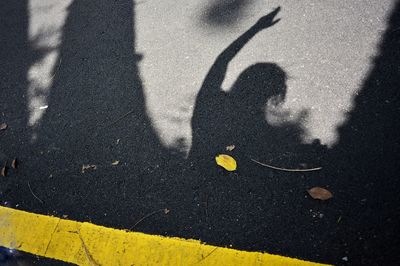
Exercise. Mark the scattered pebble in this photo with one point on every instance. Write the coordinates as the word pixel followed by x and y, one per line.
pixel 86 167
pixel 230 147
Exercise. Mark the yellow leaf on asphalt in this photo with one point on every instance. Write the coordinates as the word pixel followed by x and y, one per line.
pixel 226 161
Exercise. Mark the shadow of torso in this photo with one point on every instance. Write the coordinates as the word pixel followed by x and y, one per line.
pixel 238 118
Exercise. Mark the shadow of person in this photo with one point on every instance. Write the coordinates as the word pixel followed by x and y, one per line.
pixel 239 207
pixel 17 55
pixel 237 117
pixel 257 85
pixel 97 116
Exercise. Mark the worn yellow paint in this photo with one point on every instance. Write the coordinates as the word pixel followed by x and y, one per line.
pixel 89 244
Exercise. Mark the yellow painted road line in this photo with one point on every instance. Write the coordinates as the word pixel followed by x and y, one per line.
pixel 89 244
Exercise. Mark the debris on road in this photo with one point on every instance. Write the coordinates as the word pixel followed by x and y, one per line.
pixel 116 162
pixel 14 164
pixel 165 210
pixel 320 193
pixel 287 169
pixel 4 170
pixel 33 194
pixel 88 167
pixel 226 161
pixel 230 147
pixel 3 126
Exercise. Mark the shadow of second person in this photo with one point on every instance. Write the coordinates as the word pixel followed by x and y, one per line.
pixel 101 151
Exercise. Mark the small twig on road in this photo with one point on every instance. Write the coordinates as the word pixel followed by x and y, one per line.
pixel 36 197
pixel 120 118
pixel 286 169
pixel 165 210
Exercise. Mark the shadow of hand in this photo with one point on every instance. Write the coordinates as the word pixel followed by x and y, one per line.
pixel 268 20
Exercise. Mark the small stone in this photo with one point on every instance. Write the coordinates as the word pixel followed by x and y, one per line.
pixel 345 258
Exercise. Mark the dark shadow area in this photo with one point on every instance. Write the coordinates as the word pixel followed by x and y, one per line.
pixel 363 168
pixel 224 12
pixel 16 57
pixel 96 116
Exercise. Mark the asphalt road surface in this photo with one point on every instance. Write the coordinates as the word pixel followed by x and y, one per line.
pixel 116 109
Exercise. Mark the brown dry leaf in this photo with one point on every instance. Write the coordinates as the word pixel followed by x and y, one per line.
pixel 226 161
pixel 320 193
pixel 116 162
pixel 230 147
pixel 4 171
pixel 3 126
pixel 14 163
pixel 166 211
pixel 86 167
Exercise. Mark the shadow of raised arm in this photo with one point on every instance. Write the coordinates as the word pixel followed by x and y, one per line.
pixel 216 74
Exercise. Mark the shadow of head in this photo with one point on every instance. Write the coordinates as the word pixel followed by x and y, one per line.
pixel 259 83
pixel 224 12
